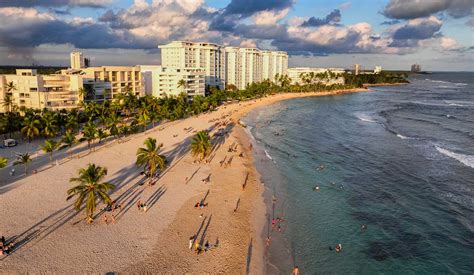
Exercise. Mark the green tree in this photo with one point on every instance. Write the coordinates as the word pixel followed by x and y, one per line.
pixel 90 133
pixel 23 159
pixel 50 127
pixel 182 85
pixel 3 162
pixel 49 147
pixel 71 122
pixel 149 157
pixel 31 128
pixel 102 134
pixel 201 145
pixel 90 189
pixel 8 101
pixel 69 139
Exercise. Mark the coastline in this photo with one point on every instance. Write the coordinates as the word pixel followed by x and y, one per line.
pixel 163 232
pixel 386 84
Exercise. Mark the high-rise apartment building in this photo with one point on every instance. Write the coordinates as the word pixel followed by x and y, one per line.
pixel 77 60
pixel 225 65
pixel 247 65
pixel 415 68
pixel 199 55
pixel 357 69
pixel 274 63
pixel 160 81
pixel 31 90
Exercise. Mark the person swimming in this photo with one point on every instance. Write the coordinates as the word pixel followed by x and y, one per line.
pixel 338 248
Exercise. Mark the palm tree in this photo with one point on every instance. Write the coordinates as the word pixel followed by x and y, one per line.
pixel 24 159
pixel 149 158
pixel 182 85
pixel 3 162
pixel 89 132
pixel 112 124
pixel 69 139
pixel 90 188
pixel 8 101
pixel 50 127
pixel 30 128
pixel 49 147
pixel 201 145
pixel 71 122
pixel 142 118
pixel 102 134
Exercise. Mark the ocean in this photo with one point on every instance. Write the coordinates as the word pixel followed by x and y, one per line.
pixel 399 160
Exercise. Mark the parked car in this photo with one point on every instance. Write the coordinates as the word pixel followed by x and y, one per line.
pixel 9 142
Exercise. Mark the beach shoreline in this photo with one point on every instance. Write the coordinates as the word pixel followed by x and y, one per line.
pixel 155 241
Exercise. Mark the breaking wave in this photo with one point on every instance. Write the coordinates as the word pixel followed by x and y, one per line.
pixel 467 160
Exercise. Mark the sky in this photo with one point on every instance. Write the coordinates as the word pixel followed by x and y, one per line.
pixel 438 34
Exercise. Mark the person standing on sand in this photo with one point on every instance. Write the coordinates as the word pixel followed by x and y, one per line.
pixel 191 241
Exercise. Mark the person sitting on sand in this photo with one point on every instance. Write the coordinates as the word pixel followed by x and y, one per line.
pixel 207 246
pixel 197 205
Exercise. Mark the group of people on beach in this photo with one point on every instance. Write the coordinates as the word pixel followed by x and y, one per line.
pixel 198 247
pixel 110 208
pixel 6 248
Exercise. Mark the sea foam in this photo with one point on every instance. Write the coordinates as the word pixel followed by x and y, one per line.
pixel 467 160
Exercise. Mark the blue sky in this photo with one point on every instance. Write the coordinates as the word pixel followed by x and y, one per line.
pixel 438 34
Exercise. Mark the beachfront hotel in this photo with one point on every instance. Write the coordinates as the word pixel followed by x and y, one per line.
pixel 160 81
pixel 208 57
pixel 32 90
pixel 122 79
pixel 225 65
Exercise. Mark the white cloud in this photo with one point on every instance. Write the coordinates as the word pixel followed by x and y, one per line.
pixel 269 17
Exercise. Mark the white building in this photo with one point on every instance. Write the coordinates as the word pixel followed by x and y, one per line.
pixel 274 63
pixel 299 75
pixel 208 57
pixel 77 60
pixel 247 65
pixel 32 90
pixel 225 65
pixel 122 79
pixel 160 81
pixel 377 69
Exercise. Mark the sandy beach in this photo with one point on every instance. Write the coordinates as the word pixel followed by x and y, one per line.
pixel 52 237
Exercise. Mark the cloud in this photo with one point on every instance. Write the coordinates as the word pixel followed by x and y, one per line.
pixel 333 18
pixel 269 17
pixel 227 18
pixel 391 22
pixel 26 28
pixel 246 8
pixel 55 3
pixel 417 29
pixel 345 6
pixel 449 44
pixel 411 9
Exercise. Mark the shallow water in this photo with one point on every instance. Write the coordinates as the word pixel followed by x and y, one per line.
pixel 400 160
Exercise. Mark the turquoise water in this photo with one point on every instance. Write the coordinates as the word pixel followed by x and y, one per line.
pixel 400 161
